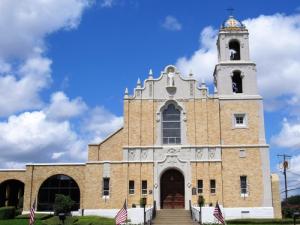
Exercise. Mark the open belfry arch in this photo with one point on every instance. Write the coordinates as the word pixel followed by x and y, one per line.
pixel 179 141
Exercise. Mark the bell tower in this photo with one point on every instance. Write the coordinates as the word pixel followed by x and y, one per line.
pixel 235 73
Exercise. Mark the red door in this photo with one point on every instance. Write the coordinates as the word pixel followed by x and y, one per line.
pixel 172 190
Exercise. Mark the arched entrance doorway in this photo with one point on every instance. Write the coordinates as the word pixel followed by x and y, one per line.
pixel 172 189
pixel 11 193
pixel 58 184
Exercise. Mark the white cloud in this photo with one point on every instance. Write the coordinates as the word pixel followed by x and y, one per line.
pixel 20 90
pixel 26 23
pixel 57 155
pixel 203 61
pixel 171 23
pixel 62 108
pixel 24 71
pixel 107 3
pixel 274 47
pixel 35 137
pixel 101 123
pixel 32 137
pixel 45 133
pixel 289 136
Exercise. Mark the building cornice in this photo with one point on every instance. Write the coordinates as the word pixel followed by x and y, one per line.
pixel 199 146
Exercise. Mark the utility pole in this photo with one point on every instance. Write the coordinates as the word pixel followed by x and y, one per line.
pixel 285 167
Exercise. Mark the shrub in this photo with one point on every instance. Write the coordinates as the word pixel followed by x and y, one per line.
pixel 201 201
pixel 260 221
pixel 20 202
pixel 63 204
pixel 18 212
pixel 7 212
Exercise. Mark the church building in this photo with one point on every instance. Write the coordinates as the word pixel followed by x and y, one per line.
pixel 178 141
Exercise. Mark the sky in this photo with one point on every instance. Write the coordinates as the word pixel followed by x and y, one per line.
pixel 64 66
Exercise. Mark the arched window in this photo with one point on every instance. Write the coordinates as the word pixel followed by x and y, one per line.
pixel 237 85
pixel 234 50
pixel 57 184
pixel 171 133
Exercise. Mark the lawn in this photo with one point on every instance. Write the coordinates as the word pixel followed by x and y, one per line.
pixel 86 220
pixel 18 222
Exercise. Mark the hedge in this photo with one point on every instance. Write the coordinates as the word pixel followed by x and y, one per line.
pixel 7 212
pixel 260 221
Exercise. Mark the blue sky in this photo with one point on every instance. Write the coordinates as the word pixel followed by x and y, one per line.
pixel 80 55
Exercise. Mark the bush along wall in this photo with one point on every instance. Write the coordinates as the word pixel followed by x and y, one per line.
pixel 7 212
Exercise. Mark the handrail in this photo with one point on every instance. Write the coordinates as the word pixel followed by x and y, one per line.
pixel 195 214
pixel 190 208
pixel 150 214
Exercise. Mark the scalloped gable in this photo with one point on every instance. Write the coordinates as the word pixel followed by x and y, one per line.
pixel 170 85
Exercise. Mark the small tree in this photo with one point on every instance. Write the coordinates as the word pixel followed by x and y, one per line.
pixel 63 204
pixel 201 201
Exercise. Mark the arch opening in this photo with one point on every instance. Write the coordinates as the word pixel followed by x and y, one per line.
pixel 11 193
pixel 57 184
pixel 237 85
pixel 172 189
pixel 234 50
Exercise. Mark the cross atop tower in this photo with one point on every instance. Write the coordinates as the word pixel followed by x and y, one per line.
pixel 230 11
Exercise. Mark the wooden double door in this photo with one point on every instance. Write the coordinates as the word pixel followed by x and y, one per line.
pixel 172 190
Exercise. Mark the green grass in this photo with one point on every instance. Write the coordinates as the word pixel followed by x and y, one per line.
pixel 94 220
pixel 18 222
pixel 38 216
pixel 55 221
pixel 86 220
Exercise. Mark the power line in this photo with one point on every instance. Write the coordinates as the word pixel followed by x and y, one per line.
pixel 294 173
pixel 297 188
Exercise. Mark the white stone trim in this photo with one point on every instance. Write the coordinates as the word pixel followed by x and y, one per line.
pixel 266 175
pixel 172 161
pixel 236 213
pixel 239 96
pixel 245 120
pixel 202 146
pixel 136 215
pixel 56 164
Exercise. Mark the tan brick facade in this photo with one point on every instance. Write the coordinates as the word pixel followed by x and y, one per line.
pixel 212 147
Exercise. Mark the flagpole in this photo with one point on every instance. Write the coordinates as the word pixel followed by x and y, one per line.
pixel 126 205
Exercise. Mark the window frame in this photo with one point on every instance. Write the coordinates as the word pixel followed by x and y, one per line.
pixel 213 190
pixel 131 191
pixel 177 140
pixel 243 153
pixel 144 191
pixel 200 189
pixel 240 125
pixel 244 190
pixel 105 190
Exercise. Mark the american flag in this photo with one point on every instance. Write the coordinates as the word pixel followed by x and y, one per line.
pixel 32 214
pixel 218 214
pixel 121 216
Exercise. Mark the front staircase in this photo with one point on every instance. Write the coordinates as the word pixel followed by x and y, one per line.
pixel 173 216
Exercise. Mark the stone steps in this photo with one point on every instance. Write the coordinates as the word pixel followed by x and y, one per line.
pixel 173 216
